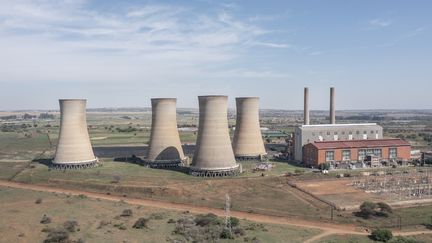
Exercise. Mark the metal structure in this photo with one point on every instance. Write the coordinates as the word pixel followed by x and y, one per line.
pixel 228 225
pixel 410 184
pixel 332 106
pixel 165 148
pixel 306 106
pixel 247 142
pixel 74 150
pixel 213 155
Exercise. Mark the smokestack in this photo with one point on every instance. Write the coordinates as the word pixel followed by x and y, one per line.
pixel 332 106
pixel 74 150
pixel 248 143
pixel 214 155
pixel 165 148
pixel 306 106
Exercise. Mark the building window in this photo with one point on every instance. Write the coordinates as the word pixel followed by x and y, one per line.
pixel 335 133
pixel 372 132
pixel 361 154
pixel 377 152
pixel 346 154
pixel 376 131
pixel 329 156
pixel 392 153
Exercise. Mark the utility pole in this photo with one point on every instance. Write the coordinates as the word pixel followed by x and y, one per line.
pixel 228 213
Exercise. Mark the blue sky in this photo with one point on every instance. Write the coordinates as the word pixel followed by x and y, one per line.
pixel 377 53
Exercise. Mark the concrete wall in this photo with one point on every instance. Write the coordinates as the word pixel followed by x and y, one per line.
pixel 74 142
pixel 247 139
pixel 164 139
pixel 213 146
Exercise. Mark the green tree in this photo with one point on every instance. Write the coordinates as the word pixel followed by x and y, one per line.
pixel 383 235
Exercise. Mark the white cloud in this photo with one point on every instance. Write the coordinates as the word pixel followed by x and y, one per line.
pixel 67 40
pixel 380 22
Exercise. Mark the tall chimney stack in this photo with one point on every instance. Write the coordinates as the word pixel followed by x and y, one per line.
pixel 306 106
pixel 332 106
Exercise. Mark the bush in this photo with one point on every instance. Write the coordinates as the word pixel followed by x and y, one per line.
pixel 38 201
pixel 126 213
pixel 234 221
pixel 226 234
pixel 45 219
pixel 141 223
pixel 383 235
pixel 207 219
pixel 367 209
pixel 57 235
pixel 71 226
pixel 171 221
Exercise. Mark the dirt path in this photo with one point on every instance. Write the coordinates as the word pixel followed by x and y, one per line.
pixel 327 228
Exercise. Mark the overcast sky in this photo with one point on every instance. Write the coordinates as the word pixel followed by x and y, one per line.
pixel 377 54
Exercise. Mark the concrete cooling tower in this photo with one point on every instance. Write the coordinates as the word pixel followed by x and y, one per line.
pixel 248 143
pixel 165 148
pixel 74 150
pixel 213 153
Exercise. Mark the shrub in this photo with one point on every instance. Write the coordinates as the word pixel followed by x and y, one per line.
pixel 234 221
pixel 384 207
pixel 38 201
pixel 239 231
pixel 207 219
pixel 126 213
pixel 141 223
pixel 367 209
pixel 71 226
pixel 171 221
pixel 45 219
pixel 383 235
pixel 120 226
pixel 226 234
pixel 57 235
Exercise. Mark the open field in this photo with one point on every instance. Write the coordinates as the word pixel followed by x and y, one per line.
pixel 98 220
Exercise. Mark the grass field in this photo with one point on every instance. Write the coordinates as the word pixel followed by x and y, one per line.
pixel 21 216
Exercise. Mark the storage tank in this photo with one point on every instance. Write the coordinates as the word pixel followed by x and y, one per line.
pixel 213 155
pixel 165 148
pixel 248 143
pixel 74 150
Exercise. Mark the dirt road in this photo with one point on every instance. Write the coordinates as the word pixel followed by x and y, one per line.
pixel 327 228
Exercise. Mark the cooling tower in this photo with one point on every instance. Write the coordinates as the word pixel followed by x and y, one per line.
pixel 306 106
pixel 165 148
pixel 213 153
pixel 332 106
pixel 74 150
pixel 247 142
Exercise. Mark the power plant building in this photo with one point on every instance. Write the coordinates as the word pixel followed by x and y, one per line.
pixel 247 142
pixel 306 134
pixel 334 152
pixel 213 155
pixel 74 150
pixel 165 148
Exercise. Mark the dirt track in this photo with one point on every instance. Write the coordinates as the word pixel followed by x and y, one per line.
pixel 327 228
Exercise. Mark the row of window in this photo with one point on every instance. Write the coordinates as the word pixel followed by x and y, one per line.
pixel 362 153
pixel 350 132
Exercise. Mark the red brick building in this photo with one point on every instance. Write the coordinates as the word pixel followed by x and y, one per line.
pixel 355 150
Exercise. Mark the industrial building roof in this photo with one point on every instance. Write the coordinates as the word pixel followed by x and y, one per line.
pixel 371 143
pixel 338 125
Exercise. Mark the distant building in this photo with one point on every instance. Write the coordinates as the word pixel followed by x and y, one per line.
pixel 319 152
pixel 306 134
